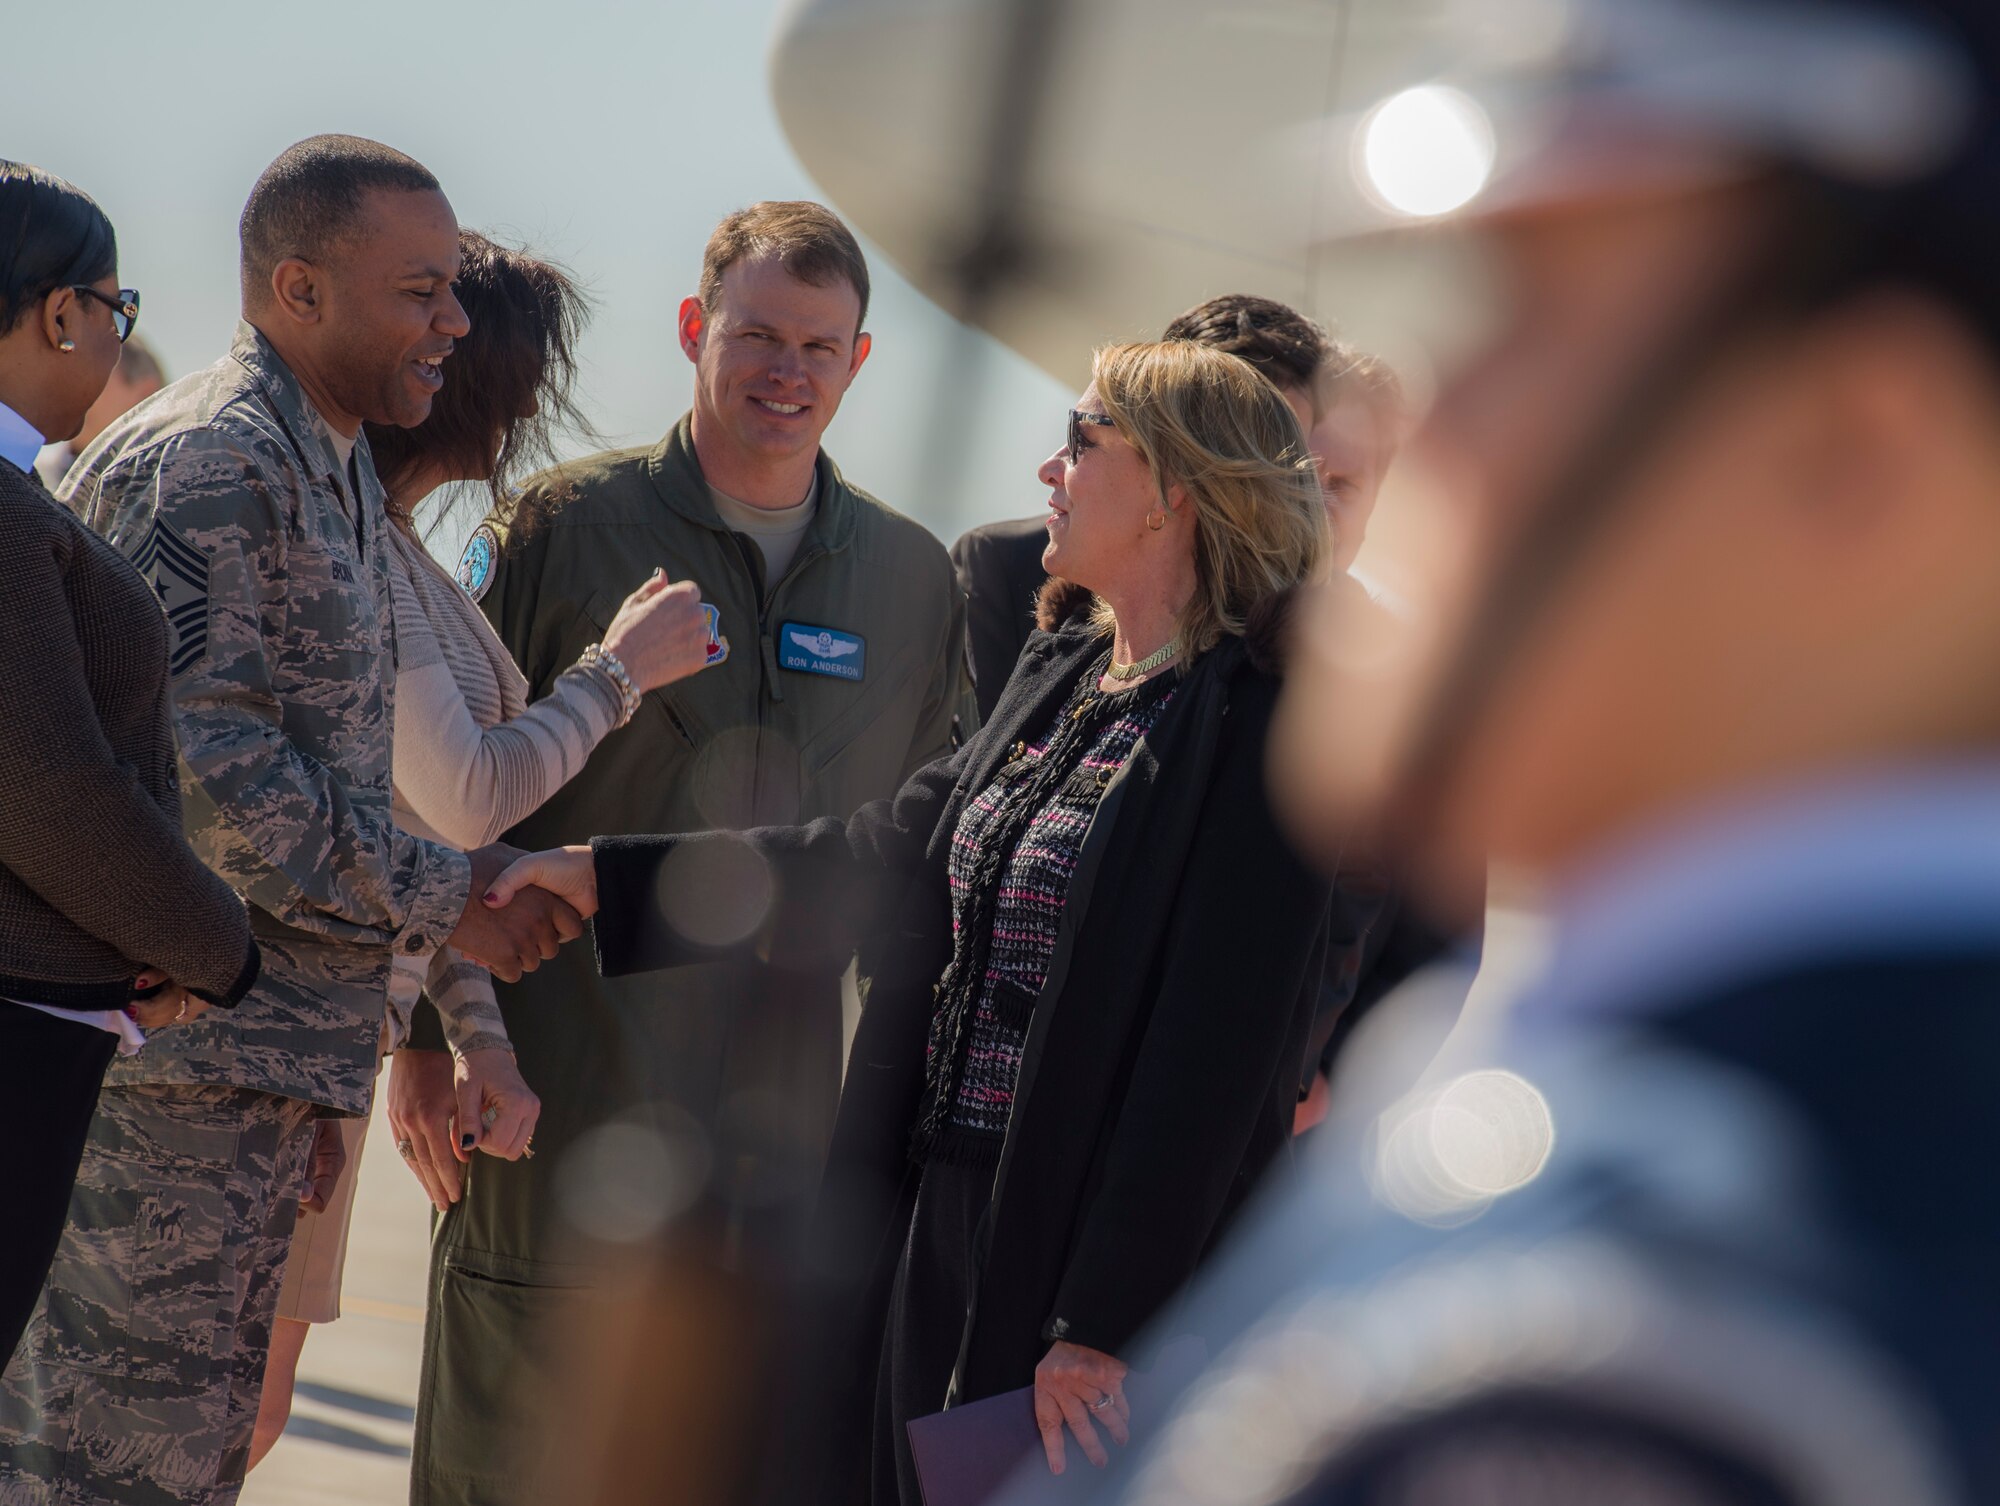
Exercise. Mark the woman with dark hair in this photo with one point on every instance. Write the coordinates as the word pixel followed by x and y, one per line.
pixel 109 922
pixel 1100 956
pixel 471 756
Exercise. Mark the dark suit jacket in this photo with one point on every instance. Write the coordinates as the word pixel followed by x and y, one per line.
pixel 1000 572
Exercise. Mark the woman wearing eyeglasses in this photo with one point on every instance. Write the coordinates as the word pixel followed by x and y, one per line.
pixel 109 923
pixel 1084 1047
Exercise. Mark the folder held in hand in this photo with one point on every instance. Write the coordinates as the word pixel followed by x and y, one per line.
pixel 965 1455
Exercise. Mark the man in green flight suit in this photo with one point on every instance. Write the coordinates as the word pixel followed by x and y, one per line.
pixel 835 669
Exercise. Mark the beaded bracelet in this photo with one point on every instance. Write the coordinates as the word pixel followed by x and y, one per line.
pixel 598 657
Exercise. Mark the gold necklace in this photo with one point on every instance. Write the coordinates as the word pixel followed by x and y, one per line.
pixel 1146 665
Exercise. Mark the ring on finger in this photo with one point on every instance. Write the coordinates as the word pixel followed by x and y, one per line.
pixel 1102 1402
pixel 406 1149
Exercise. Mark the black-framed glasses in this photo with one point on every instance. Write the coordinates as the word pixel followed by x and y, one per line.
pixel 1077 419
pixel 124 308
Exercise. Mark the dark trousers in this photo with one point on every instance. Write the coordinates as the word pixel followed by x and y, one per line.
pixel 50 1071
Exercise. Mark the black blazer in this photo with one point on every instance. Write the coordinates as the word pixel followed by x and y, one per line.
pixel 1000 573
pixel 96 877
pixel 1163 1061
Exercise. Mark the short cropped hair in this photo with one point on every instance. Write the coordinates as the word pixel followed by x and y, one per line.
pixel 306 203
pixel 52 235
pixel 519 356
pixel 809 240
pixel 1280 343
pixel 1222 431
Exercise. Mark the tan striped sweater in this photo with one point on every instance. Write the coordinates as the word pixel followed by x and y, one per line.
pixel 472 758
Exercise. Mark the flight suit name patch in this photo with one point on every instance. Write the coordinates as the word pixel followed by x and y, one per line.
pixel 822 651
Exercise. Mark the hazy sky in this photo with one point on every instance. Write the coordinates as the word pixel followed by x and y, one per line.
pixel 611 136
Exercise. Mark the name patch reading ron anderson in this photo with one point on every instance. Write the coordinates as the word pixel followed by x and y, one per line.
pixel 821 651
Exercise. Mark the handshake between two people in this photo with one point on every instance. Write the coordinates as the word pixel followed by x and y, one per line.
pixel 566 874
pixel 520 911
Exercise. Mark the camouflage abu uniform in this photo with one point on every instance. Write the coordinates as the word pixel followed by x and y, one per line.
pixel 139 1376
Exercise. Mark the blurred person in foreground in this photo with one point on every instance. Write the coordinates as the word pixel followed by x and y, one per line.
pixel 136 377
pixel 1085 1047
pixel 471 755
pixel 94 869
pixel 246 497
pixel 686 1114
pixel 1714 1221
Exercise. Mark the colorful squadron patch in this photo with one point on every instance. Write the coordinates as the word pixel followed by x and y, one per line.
pixel 179 575
pixel 475 566
pixel 718 646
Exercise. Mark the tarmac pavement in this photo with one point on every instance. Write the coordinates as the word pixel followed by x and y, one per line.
pixel 348 1442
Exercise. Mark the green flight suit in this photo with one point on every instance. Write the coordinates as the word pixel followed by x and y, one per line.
pixel 717 1083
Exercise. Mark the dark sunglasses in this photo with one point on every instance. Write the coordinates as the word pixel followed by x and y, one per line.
pixel 1077 419
pixel 124 308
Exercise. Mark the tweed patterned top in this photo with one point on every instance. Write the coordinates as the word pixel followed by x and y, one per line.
pixel 1013 855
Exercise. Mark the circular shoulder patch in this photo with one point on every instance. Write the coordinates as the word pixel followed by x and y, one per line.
pixel 475 566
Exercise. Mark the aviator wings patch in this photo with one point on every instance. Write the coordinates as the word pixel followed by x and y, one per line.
pixel 825 645
pixel 178 574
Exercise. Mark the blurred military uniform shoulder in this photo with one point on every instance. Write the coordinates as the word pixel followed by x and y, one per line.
pixel 1580 1370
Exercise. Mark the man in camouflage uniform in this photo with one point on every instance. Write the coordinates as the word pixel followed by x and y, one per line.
pixel 244 494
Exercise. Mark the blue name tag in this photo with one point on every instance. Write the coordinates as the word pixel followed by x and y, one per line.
pixel 821 651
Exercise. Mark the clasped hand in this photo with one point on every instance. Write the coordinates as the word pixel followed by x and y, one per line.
pixel 570 872
pixel 443 1108
pixel 517 934
pixel 158 1001
pixel 1080 1387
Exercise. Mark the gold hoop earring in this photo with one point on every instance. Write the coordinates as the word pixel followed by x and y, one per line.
pixel 65 346
pixel 1156 521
